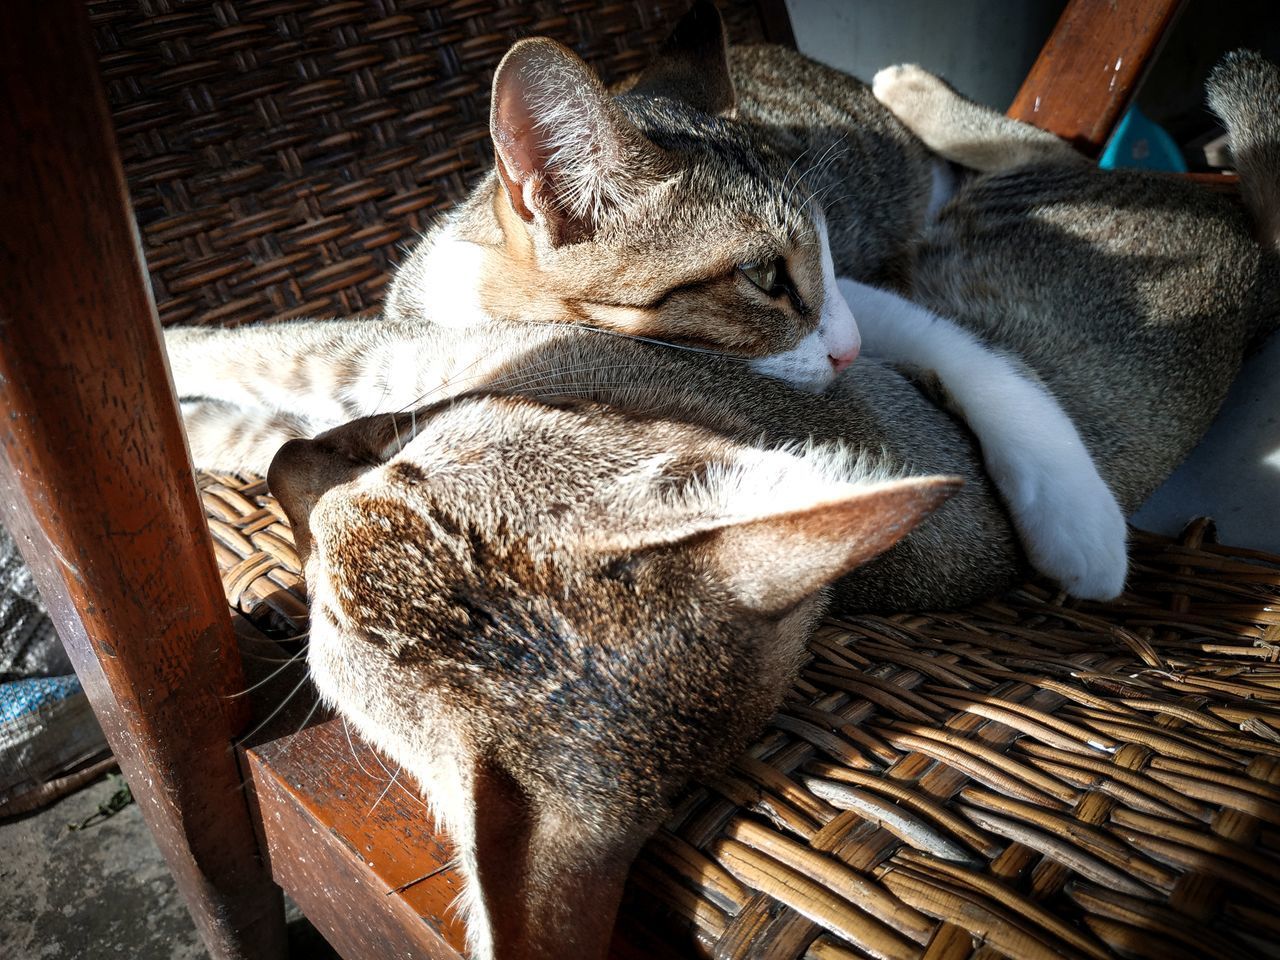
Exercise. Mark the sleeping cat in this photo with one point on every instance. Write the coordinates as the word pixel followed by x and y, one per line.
pixel 710 205
pixel 564 588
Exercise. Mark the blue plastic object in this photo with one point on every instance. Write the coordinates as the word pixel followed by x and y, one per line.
pixel 1141 144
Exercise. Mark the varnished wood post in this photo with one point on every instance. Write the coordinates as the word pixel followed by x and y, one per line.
pixel 776 22
pixel 1091 66
pixel 96 480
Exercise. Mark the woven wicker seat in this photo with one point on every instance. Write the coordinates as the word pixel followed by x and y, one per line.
pixel 1029 778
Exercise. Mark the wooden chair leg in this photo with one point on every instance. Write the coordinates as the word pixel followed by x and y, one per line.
pixel 1091 66
pixel 98 480
pixel 776 22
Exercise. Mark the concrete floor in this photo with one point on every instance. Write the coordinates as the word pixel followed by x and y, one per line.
pixel 101 892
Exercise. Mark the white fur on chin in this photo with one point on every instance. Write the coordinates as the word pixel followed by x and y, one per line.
pixel 808 365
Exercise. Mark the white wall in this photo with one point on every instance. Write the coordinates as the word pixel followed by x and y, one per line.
pixel 984 47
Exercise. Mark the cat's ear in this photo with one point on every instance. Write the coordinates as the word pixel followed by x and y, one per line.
pixel 772 530
pixel 773 562
pixel 565 153
pixel 693 63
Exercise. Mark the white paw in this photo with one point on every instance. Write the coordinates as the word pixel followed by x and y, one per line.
pixel 1071 528
pixel 909 91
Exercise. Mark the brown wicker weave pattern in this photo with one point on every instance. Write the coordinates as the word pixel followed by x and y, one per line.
pixel 280 152
pixel 1026 779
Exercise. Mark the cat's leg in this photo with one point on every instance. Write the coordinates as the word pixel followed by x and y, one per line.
pixel 325 371
pixel 247 390
pixel 317 369
pixel 225 437
pixel 1066 516
pixel 962 131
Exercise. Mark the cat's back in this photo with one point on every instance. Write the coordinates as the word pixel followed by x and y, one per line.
pixel 777 85
pixel 965 551
pixel 1133 296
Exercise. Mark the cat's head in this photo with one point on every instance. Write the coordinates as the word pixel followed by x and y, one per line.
pixel 554 614
pixel 652 212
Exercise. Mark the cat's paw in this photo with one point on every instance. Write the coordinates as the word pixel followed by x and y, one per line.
pixel 912 94
pixel 1074 532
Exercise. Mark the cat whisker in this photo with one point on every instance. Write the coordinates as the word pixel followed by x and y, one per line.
pixel 393 781
pixel 261 659
pixel 816 165
pixel 378 757
pixel 390 784
pixel 832 154
pixel 269 677
pixel 813 197
pixel 422 398
pixel 547 374
pixel 554 383
pixel 346 729
pixel 550 373
pixel 307 719
pixel 274 713
pixel 786 176
pixel 386 389
pixel 637 337
pixel 413 796
pixel 373 776
pixel 587 389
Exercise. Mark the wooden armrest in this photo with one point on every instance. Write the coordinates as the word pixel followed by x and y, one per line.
pixel 1091 67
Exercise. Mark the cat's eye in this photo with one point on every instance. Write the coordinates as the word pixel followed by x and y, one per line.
pixel 771 278
pixel 763 275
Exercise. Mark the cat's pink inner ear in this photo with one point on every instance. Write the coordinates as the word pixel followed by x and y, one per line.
pixel 565 153
pixel 520 150
pixel 538 143
pixel 772 563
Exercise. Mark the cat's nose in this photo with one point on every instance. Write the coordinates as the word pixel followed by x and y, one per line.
pixel 842 362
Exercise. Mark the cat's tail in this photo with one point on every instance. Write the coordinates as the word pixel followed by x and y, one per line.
pixel 1244 91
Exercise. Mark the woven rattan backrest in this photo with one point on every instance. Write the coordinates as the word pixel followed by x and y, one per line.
pixel 281 153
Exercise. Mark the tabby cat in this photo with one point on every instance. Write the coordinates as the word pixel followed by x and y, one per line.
pixel 709 205
pixel 587 570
